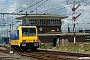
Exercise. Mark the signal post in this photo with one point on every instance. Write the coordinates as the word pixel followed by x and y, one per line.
pixel 74 18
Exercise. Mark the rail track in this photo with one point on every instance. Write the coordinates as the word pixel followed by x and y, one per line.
pixel 47 55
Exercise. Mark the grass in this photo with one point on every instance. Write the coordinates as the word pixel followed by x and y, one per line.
pixel 80 49
pixel 45 46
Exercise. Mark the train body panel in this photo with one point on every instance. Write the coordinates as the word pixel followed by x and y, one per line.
pixel 25 37
pixel 15 42
pixel 14 38
pixel 30 39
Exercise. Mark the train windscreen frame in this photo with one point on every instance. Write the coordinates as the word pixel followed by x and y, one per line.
pixel 28 31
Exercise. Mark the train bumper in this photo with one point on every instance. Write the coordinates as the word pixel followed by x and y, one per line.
pixel 30 45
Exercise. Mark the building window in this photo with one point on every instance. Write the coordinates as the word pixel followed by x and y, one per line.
pixel 43 22
pixel 54 22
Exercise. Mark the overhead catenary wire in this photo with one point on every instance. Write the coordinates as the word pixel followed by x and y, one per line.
pixel 26 8
pixel 40 5
pixel 30 6
pixel 16 9
pixel 11 16
pixel 34 9
pixel 9 26
pixel 20 6
pixel 33 5
pixel 51 9
pixel 68 5
pixel 62 7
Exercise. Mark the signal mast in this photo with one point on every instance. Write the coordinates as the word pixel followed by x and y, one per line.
pixel 75 17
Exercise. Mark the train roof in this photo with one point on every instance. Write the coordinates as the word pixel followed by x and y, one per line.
pixel 42 16
pixel 26 27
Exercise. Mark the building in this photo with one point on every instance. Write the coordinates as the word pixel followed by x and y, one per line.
pixel 87 36
pixel 4 40
pixel 49 27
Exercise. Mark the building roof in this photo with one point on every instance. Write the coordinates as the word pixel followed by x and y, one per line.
pixel 51 34
pixel 42 16
pixel 60 34
pixel 75 33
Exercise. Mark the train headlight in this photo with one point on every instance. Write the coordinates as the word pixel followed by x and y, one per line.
pixel 35 44
pixel 23 42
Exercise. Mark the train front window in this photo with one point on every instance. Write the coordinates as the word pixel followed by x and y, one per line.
pixel 29 31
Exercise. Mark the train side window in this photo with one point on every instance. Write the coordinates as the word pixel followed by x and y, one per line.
pixel 17 34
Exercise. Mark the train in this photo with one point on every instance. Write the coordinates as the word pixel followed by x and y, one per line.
pixel 25 38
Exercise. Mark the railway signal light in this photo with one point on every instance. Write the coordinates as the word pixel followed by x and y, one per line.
pixel 73 9
pixel 74 18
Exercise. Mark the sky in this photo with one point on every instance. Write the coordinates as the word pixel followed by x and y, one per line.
pixel 58 7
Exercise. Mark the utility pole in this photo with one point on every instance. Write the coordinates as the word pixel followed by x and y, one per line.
pixel 9 39
pixel 7 32
pixel 74 18
pixel 36 7
pixel 12 25
pixel 83 28
pixel 27 20
pixel 3 20
pixel 74 30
